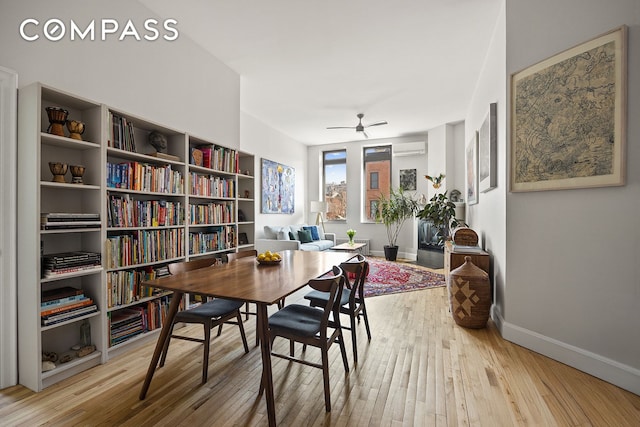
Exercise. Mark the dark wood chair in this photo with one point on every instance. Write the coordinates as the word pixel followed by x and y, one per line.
pixel 209 314
pixel 311 326
pixel 352 300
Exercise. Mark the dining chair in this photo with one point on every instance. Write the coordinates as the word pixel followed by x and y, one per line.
pixel 311 326
pixel 352 299
pixel 209 314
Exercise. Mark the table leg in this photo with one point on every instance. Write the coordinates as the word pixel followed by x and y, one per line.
pixel 164 336
pixel 267 375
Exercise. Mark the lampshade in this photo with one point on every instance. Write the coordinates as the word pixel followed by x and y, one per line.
pixel 317 206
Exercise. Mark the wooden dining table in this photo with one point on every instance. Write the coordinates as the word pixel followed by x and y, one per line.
pixel 245 280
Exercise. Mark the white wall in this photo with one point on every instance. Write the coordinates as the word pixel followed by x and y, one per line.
pixel 174 83
pixel 265 142
pixel 572 284
pixel 488 216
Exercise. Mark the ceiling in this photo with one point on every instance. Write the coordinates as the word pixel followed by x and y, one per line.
pixel 306 65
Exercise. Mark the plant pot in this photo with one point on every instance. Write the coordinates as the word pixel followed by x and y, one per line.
pixel 390 252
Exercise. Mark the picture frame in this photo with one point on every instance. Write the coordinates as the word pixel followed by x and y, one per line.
pixel 487 151
pixel 471 169
pixel 408 179
pixel 568 118
pixel 278 188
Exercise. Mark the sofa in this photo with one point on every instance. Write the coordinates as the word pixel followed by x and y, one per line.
pixel 283 237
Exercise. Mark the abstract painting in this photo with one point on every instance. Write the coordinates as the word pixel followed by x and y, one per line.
pixel 568 117
pixel 408 179
pixel 472 170
pixel 278 187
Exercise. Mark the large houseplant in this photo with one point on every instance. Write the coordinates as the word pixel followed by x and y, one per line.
pixel 393 210
pixel 440 211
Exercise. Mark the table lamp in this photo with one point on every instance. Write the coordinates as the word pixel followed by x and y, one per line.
pixel 319 207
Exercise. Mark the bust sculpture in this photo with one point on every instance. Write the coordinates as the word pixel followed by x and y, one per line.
pixel 158 141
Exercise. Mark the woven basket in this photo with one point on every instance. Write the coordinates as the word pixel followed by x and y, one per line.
pixel 469 295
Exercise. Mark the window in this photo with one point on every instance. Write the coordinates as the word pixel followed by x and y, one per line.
pixel 373 180
pixel 377 176
pixel 334 166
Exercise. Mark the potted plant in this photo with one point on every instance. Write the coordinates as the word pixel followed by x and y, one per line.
pixel 393 211
pixel 440 211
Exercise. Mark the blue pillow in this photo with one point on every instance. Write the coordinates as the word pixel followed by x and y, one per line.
pixel 314 232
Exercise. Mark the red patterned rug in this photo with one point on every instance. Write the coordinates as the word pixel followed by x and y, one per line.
pixel 388 277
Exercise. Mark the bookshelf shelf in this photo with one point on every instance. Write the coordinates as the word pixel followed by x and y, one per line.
pixel 153 200
pixel 95 356
pixel 70 321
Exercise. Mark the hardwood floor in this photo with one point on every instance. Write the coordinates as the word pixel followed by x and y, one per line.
pixel 419 369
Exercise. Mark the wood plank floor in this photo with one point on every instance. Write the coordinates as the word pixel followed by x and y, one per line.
pixel 420 369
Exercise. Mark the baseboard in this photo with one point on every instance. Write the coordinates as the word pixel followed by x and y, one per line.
pixel 609 370
pixel 402 255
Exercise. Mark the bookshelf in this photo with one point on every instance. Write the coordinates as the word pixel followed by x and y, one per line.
pixel 148 215
pixel 40 195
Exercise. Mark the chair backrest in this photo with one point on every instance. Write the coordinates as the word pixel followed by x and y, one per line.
pixel 235 255
pixel 333 286
pixel 179 267
pixel 358 268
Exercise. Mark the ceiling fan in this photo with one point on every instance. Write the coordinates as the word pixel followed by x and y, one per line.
pixel 359 127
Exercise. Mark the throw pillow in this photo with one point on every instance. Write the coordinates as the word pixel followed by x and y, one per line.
pixel 305 236
pixel 314 232
pixel 292 236
pixel 283 235
pixel 271 231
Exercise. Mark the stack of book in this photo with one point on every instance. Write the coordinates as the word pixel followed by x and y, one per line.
pixel 59 305
pixel 69 262
pixel 125 324
pixel 64 220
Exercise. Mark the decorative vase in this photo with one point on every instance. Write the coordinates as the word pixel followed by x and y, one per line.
pixel 57 118
pixel 469 295
pixel 76 129
pixel 58 170
pixel 77 171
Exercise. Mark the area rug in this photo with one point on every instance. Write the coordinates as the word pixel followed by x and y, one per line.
pixel 389 277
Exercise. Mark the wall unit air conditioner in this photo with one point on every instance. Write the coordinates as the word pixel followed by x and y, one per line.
pixel 409 148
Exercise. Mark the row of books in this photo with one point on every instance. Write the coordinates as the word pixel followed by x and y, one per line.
pixel 121 133
pixel 145 177
pixel 129 322
pixel 218 158
pixel 125 286
pixel 123 211
pixel 62 304
pixel 211 186
pixel 211 213
pixel 144 246
pixel 64 220
pixel 69 262
pixel 218 238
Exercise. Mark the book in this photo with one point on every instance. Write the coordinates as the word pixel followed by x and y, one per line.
pixel 54 294
pixel 164 156
pixel 47 311
pixel 62 317
pixel 61 301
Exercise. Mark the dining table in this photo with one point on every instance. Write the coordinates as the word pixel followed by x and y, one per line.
pixel 245 280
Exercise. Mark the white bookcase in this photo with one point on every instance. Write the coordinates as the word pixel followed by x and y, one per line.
pixel 128 216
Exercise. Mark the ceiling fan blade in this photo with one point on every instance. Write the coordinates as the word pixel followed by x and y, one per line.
pixel 341 127
pixel 365 135
pixel 377 124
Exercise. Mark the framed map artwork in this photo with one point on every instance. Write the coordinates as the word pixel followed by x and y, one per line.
pixel 278 188
pixel 568 117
